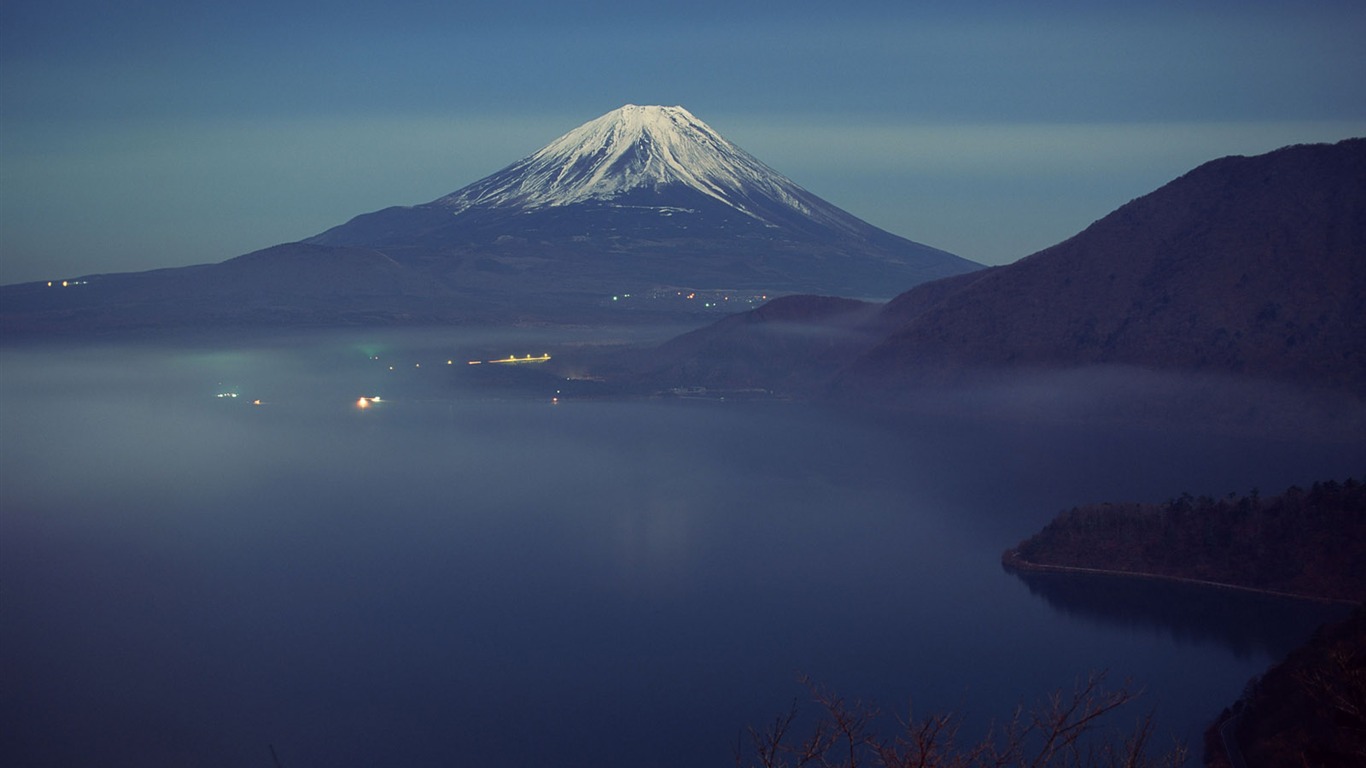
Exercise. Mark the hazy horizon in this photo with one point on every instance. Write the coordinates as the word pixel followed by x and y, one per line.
pixel 182 133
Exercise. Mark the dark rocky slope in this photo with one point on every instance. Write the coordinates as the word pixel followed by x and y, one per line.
pixel 1249 266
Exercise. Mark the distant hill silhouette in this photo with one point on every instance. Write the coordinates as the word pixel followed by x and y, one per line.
pixel 791 345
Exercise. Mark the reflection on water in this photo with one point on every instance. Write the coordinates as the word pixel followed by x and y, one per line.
pixel 1246 623
pixel 459 573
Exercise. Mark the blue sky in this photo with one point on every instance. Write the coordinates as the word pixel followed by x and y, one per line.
pixel 151 133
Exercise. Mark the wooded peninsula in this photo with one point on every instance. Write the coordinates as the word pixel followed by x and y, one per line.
pixel 1308 543
pixel 1311 708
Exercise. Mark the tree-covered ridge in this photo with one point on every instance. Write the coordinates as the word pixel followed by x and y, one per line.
pixel 1305 542
pixel 1309 710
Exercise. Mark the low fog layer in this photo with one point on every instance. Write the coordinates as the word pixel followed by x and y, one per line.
pixel 461 569
pixel 1120 396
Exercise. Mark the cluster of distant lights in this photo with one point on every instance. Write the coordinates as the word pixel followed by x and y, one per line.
pixel 233 396
pixel 692 296
pixel 513 360
pixel 66 283
pixel 509 360
pixel 366 402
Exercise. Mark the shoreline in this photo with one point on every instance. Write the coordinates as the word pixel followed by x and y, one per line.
pixel 1011 560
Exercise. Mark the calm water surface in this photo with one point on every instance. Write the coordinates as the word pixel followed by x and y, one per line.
pixel 455 577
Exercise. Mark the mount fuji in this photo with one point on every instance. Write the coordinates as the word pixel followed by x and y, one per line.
pixel 651 196
pixel 644 200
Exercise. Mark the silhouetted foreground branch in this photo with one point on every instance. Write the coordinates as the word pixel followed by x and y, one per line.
pixel 1063 731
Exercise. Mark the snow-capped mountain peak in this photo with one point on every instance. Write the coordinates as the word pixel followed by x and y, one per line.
pixel 644 196
pixel 635 148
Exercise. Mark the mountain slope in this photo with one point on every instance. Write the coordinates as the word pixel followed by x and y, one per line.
pixel 791 346
pixel 647 149
pixel 651 196
pixel 647 201
pixel 1247 268
pixel 1245 265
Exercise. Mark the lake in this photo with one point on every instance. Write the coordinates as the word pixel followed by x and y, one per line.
pixel 458 574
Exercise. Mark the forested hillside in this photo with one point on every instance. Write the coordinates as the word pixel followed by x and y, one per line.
pixel 1308 710
pixel 1311 708
pixel 1304 542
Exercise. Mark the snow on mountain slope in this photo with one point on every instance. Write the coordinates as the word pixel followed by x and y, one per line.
pixel 645 148
pixel 646 196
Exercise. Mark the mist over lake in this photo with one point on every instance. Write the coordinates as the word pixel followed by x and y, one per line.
pixel 460 573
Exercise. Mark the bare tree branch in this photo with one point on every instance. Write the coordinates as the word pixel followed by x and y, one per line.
pixel 1061 732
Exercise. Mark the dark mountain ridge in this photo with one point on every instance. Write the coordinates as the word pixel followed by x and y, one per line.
pixel 1245 265
pixel 1245 268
